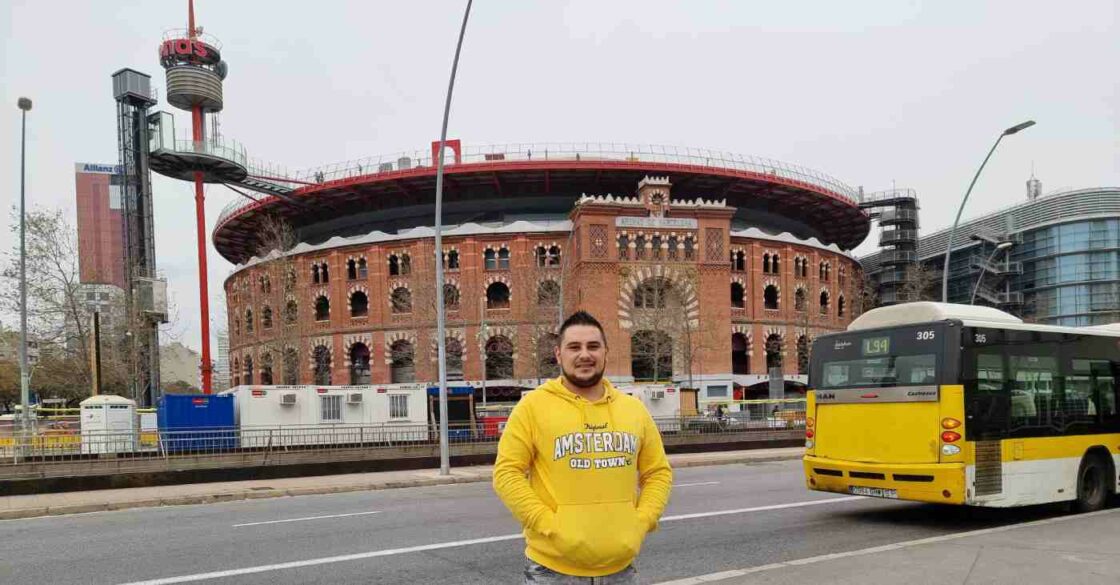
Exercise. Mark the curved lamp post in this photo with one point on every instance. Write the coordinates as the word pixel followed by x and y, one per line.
pixel 949 246
pixel 441 314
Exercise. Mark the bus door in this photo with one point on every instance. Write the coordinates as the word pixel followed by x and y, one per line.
pixel 877 393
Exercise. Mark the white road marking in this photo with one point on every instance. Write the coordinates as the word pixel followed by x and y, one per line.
pixel 677 485
pixel 762 508
pixel 453 544
pixel 700 579
pixel 306 518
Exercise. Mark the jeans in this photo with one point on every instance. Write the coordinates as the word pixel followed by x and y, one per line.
pixel 536 574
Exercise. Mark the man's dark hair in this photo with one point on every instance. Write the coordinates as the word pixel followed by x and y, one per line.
pixel 582 318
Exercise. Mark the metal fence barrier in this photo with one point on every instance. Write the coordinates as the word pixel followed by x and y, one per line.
pixel 101 453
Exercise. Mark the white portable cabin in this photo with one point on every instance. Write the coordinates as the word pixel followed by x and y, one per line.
pixel 108 424
pixel 314 415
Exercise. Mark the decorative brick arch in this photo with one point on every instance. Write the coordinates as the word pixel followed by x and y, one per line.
pixel 350 295
pixel 502 278
pixel 319 292
pixel 458 334
pixel 324 341
pixel 506 331
pixel 766 282
pixel 740 280
pixel 497 247
pixel 679 281
pixel 747 333
pixel 348 342
pixel 392 337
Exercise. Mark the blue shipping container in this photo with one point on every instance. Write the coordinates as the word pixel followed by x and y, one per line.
pixel 197 422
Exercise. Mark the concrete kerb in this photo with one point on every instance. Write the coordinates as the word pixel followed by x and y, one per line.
pixel 471 475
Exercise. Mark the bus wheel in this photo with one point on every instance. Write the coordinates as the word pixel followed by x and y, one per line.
pixel 1092 486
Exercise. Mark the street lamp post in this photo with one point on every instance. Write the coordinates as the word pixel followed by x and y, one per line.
pixel 949 246
pixel 24 373
pixel 999 248
pixel 441 314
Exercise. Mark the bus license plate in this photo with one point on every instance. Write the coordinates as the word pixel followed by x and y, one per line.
pixel 856 490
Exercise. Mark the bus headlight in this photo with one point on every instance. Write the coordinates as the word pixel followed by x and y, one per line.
pixel 950 450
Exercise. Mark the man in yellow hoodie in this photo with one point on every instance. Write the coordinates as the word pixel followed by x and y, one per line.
pixel 582 467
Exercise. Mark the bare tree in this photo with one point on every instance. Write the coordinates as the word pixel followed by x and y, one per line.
pixel 921 283
pixel 59 319
pixel 278 306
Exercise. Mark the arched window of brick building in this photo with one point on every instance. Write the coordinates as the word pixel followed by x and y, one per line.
pixel 546 355
pixel 315 273
pixel 503 259
pixel 651 356
pixel 266 369
pixel 737 296
pixel 291 366
pixel 363 269
pixel 542 256
pixel 351 269
pixel 406 265
pixel 266 317
pixel 824 302
pixel 766 263
pixel 773 351
pixel 738 261
pixel 774 266
pixel 490 258
pixel 321 358
pixel 800 300
pixel 248 320
pixel 453 260
pixel 740 358
pixel 402 364
pixel 401 300
pixel 548 293
pixel 394 265
pixel 359 364
pixel 248 377
pixel 840 306
pixel 453 349
pixel 554 256
pixel 291 311
pixel 359 304
pixel 322 308
pixel 266 284
pixel 497 296
pixel 770 297
pixel 499 358
pixel 451 297
pixel 802 354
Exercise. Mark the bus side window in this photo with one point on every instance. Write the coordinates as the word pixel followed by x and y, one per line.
pixel 1034 394
pixel 1085 395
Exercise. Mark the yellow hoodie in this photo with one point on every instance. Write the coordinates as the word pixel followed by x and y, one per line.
pixel 580 504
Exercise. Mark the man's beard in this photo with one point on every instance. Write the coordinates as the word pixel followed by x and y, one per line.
pixel 584 382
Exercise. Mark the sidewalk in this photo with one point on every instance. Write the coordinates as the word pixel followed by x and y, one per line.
pixel 12 507
pixel 1065 549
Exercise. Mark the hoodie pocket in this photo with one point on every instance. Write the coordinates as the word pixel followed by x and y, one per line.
pixel 598 535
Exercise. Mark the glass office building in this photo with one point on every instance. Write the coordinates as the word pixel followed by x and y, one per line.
pixel 1054 259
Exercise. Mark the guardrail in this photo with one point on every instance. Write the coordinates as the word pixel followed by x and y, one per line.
pixel 551 151
pixel 105 453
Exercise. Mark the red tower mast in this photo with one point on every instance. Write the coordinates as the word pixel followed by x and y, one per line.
pixel 200 219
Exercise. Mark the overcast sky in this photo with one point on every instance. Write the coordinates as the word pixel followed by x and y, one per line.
pixel 878 94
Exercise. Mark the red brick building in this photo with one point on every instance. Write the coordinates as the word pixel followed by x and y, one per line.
pixel 100 239
pixel 704 274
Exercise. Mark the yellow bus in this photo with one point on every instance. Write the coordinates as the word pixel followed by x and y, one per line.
pixel 957 404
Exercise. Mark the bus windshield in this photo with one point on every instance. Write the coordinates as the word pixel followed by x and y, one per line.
pixel 895 370
pixel 903 356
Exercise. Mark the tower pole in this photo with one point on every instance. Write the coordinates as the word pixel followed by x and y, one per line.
pixel 200 228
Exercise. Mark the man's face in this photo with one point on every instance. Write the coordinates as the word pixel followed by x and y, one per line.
pixel 582 355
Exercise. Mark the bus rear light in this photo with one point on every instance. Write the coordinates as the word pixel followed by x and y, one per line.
pixel 809 422
pixel 809 443
pixel 950 436
pixel 950 423
pixel 950 450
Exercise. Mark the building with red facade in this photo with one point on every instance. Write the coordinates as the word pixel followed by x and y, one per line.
pixel 706 269
pixel 100 239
